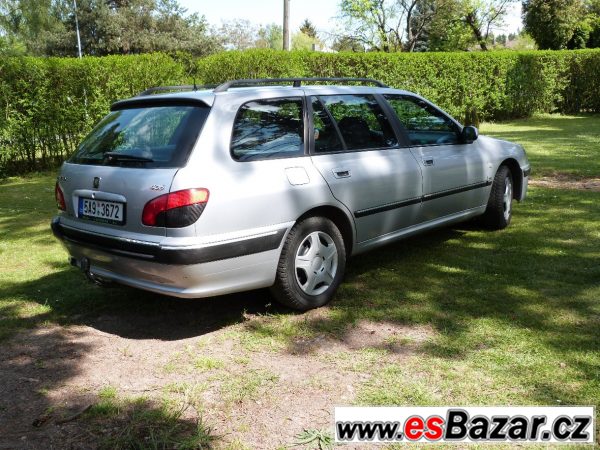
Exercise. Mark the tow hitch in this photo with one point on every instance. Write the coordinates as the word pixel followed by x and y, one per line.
pixel 83 263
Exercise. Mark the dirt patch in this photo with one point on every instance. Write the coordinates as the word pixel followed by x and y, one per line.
pixel 401 340
pixel 49 374
pixel 564 181
pixel 260 398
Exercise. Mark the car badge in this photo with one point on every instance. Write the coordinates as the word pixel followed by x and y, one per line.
pixel 97 182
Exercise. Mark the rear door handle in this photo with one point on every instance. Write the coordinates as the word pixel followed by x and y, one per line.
pixel 342 173
pixel 428 162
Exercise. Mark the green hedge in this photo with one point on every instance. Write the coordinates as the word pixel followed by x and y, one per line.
pixel 48 104
pixel 494 85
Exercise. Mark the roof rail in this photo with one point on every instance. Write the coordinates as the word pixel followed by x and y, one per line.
pixel 185 87
pixel 297 82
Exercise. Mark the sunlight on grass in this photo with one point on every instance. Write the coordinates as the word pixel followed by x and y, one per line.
pixel 516 309
pixel 249 385
pixel 555 144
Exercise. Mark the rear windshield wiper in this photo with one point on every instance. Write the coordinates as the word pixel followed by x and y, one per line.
pixel 116 156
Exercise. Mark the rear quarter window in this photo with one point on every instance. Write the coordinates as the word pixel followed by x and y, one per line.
pixel 156 136
pixel 268 129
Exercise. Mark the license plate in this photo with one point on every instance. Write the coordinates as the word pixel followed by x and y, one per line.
pixel 102 211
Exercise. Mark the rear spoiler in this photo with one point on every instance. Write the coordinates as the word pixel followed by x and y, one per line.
pixel 154 101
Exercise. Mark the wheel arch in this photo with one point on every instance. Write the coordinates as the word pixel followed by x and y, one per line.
pixel 339 218
pixel 517 176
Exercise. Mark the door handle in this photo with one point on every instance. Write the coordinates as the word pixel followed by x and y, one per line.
pixel 342 173
pixel 428 162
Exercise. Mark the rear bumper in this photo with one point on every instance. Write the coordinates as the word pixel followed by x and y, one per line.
pixel 183 255
pixel 187 272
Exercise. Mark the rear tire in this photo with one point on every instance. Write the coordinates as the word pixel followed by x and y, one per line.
pixel 498 214
pixel 311 266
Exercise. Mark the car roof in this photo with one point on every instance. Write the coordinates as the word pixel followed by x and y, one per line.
pixel 208 96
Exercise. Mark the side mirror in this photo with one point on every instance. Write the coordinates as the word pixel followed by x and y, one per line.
pixel 469 134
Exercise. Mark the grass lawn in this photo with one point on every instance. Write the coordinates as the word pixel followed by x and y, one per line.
pixel 555 144
pixel 458 316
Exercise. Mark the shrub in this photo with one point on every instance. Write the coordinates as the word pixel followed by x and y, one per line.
pixel 48 104
pixel 489 85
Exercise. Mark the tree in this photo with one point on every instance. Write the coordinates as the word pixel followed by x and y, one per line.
pixel 594 40
pixel 376 24
pixel 593 7
pixel 25 25
pixel 238 34
pixel 389 25
pixel 347 44
pixel 482 16
pixel 432 25
pixel 416 25
pixel 47 27
pixel 552 23
pixel 581 35
pixel 301 41
pixel 308 29
pixel 593 19
pixel 270 36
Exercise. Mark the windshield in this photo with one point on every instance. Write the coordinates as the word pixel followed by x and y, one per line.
pixel 156 136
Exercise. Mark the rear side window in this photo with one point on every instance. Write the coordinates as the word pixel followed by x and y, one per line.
pixel 425 124
pixel 361 121
pixel 268 129
pixel 156 136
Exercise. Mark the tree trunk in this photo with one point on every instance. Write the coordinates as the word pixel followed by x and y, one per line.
pixel 472 22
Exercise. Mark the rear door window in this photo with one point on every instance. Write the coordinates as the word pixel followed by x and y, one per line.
pixel 156 136
pixel 361 121
pixel 327 138
pixel 425 124
pixel 269 129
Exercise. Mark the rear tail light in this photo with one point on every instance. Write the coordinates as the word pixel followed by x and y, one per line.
pixel 60 198
pixel 176 209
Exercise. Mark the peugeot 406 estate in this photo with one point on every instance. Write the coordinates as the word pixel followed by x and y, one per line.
pixel 195 192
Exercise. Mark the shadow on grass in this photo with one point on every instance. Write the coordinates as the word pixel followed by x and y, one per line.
pixel 119 424
pixel 128 312
pixel 38 406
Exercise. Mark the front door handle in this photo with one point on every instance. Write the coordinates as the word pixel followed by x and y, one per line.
pixel 342 173
pixel 428 162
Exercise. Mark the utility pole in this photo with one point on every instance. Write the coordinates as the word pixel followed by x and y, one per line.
pixel 77 29
pixel 286 24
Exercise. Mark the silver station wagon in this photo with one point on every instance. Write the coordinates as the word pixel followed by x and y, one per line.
pixel 272 183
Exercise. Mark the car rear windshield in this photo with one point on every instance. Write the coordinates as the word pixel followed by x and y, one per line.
pixel 145 137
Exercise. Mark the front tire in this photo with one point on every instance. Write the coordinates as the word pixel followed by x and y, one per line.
pixel 311 266
pixel 498 214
